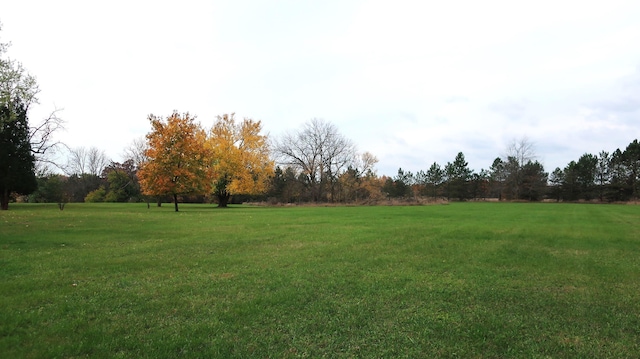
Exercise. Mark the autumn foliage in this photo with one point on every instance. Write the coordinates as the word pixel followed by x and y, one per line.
pixel 240 154
pixel 177 158
pixel 182 158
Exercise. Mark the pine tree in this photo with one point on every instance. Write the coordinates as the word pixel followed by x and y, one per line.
pixel 17 162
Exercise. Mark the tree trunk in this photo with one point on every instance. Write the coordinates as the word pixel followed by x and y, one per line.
pixel 4 201
pixel 223 199
pixel 175 201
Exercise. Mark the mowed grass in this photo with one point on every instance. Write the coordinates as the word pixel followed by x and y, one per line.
pixel 468 280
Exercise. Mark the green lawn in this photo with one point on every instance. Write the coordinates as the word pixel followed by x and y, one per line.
pixel 468 280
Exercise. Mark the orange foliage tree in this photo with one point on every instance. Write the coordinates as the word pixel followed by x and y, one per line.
pixel 240 158
pixel 176 158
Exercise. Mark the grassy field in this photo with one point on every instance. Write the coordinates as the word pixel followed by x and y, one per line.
pixel 468 280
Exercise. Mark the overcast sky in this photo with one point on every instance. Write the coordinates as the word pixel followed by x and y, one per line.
pixel 413 82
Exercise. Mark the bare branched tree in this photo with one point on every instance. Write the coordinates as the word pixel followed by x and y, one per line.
pixel 43 145
pixel 86 161
pixel 319 152
pixel 97 161
pixel 522 150
pixel 136 151
pixel 519 152
pixel 366 162
pixel 76 161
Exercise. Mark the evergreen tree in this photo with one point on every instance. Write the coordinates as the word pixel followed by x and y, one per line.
pixel 631 158
pixel 458 175
pixel 400 185
pixel 556 179
pixel 435 176
pixel 570 184
pixel 479 184
pixel 17 162
pixel 619 189
pixel 497 177
pixel 513 178
pixel 534 181
pixel 603 173
pixel 586 170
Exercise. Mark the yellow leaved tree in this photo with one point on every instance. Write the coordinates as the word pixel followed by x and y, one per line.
pixel 176 158
pixel 240 158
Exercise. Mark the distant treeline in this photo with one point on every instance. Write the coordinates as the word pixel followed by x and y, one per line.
pixel 605 177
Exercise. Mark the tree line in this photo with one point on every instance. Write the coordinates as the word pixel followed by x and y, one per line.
pixel 232 161
pixel 179 160
pixel 605 177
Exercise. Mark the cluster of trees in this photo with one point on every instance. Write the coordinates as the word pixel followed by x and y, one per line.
pixel 318 164
pixel 89 176
pixel 177 161
pixel 515 176
pixel 605 177
pixel 182 159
